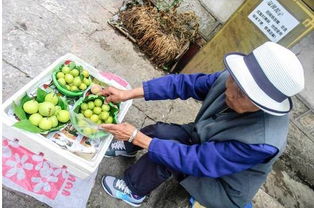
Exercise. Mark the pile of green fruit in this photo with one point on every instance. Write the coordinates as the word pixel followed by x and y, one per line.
pixel 97 111
pixel 46 111
pixel 73 77
pixel 91 111
pixel 46 115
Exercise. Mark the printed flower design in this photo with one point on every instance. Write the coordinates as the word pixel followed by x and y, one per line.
pixel 18 166
pixel 6 151
pixel 39 158
pixel 42 182
pixel 14 143
pixel 57 170
pixel 60 170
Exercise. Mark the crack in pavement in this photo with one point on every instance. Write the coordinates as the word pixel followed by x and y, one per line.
pixel 144 113
pixel 104 7
pixel 93 32
pixel 15 67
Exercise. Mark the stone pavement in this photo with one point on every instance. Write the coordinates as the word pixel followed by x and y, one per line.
pixel 37 32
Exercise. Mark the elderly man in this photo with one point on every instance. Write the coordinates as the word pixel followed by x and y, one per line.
pixel 225 155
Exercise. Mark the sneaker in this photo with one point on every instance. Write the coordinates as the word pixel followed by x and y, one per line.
pixel 117 188
pixel 117 148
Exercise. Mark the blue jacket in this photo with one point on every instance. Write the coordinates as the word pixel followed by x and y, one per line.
pixel 222 158
pixel 236 151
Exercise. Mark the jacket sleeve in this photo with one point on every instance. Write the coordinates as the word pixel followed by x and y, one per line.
pixel 181 86
pixel 209 159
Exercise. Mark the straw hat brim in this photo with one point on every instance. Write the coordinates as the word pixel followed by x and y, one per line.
pixel 237 68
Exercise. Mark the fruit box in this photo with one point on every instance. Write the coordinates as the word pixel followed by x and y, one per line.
pixel 78 164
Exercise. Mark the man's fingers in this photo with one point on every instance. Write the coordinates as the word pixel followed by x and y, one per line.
pixel 109 99
pixel 106 92
pixel 107 126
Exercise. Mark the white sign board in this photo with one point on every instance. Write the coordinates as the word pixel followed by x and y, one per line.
pixel 273 19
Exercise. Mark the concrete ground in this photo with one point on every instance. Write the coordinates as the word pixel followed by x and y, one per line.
pixel 37 32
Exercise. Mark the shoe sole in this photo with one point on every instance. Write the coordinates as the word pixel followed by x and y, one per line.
pixel 102 184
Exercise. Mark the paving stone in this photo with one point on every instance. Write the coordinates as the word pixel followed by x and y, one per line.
pixel 222 9
pixel 169 194
pixel 122 61
pixel 26 52
pixel 12 199
pixel 36 21
pixel 304 51
pixel 148 122
pixel 13 80
pixel 111 6
pixel 156 110
pixel 306 122
pixel 298 107
pixel 183 111
pixel 207 21
pixel 288 192
pixel 299 154
pixel 264 200
pixel 135 117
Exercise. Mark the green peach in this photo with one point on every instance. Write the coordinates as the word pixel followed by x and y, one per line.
pixel 66 69
pixel 46 109
pixel 54 121
pixel 52 98
pixel 97 110
pixel 63 116
pixel 45 124
pixel 68 78
pixel 88 113
pixel 105 107
pixel 35 118
pixel 31 106
pixel 94 118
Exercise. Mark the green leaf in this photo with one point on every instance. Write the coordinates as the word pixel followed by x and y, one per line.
pixel 72 65
pixel 58 67
pixel 41 94
pixel 19 112
pixel 27 126
pixel 77 105
pixel 25 99
pixel 93 97
pixel 80 68
pixel 165 68
pixel 81 77
pixel 62 103
pixel 114 110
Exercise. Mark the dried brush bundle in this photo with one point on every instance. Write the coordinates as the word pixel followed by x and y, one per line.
pixel 161 35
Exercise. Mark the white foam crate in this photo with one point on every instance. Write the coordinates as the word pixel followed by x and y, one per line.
pixel 37 143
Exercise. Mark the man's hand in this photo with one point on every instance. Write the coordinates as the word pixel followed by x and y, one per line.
pixel 123 132
pixel 115 95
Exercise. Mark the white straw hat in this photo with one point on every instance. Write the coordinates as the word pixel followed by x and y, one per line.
pixel 270 75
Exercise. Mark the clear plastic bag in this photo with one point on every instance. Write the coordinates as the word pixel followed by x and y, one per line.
pixel 84 125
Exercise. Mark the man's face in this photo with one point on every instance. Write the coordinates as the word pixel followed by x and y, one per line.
pixel 236 99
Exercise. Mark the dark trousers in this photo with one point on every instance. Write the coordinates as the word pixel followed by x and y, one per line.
pixel 145 175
